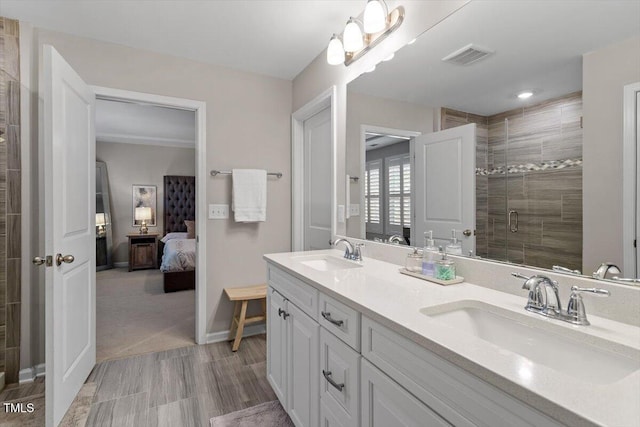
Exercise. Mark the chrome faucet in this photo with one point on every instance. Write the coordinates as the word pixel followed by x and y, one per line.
pixel 543 294
pixel 606 267
pixel 561 269
pixel 351 252
pixel 544 299
pixel 396 238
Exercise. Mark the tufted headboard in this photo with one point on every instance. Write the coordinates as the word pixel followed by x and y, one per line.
pixel 179 202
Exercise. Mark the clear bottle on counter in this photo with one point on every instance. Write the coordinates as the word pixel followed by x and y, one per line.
pixel 413 262
pixel 445 268
pixel 429 255
pixel 454 247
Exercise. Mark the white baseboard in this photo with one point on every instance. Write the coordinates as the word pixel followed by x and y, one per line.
pixel 121 264
pixel 248 331
pixel 29 374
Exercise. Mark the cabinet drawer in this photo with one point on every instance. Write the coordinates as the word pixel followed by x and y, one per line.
pixel 296 291
pixel 459 397
pixel 340 320
pixel 385 403
pixel 339 378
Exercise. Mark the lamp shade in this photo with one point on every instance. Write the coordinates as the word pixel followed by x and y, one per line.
pixel 335 51
pixel 375 17
pixel 100 219
pixel 143 214
pixel 352 37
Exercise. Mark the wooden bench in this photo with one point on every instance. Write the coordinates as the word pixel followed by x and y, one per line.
pixel 242 296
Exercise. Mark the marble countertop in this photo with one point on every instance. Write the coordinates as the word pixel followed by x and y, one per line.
pixel 379 291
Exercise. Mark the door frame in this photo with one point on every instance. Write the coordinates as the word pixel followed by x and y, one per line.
pixel 326 99
pixel 200 110
pixel 363 165
pixel 630 179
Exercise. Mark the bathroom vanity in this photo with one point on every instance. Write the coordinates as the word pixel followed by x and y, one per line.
pixel 359 344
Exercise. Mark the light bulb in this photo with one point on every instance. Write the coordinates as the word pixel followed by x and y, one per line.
pixel 352 36
pixel 375 17
pixel 335 51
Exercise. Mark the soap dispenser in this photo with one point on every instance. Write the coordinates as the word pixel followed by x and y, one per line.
pixel 454 247
pixel 445 268
pixel 429 255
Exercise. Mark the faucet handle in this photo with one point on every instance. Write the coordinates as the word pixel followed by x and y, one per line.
pixel 576 312
pixel 520 276
pixel 357 251
pixel 596 291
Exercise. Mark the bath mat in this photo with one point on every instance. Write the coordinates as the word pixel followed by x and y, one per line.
pixel 263 415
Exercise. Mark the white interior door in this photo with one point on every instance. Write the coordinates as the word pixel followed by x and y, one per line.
pixel 445 185
pixel 317 180
pixel 69 168
pixel 634 268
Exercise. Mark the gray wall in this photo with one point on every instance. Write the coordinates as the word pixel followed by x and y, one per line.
pixel 129 164
pixel 248 126
pixel 605 72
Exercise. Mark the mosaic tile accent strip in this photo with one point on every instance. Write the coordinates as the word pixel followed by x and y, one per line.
pixel 530 167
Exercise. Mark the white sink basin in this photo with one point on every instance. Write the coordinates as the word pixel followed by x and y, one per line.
pixel 325 262
pixel 563 349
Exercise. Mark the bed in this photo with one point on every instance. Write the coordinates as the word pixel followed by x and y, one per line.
pixel 177 255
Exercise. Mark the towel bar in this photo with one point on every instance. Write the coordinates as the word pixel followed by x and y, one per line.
pixel 216 172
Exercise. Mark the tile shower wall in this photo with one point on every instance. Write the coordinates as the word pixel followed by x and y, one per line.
pixel 10 201
pixel 534 166
pixel 450 119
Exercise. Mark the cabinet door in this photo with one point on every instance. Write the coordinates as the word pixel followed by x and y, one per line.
pixel 303 358
pixel 385 403
pixel 143 255
pixel 329 418
pixel 277 345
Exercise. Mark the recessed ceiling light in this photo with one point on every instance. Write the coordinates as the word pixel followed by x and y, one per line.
pixel 525 94
pixel 412 42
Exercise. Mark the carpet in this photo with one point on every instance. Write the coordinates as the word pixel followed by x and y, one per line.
pixel 269 414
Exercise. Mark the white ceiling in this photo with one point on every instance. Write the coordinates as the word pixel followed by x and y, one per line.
pixel 276 38
pixel 130 123
pixel 538 45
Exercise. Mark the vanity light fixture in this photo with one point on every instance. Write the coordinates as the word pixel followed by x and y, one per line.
pixel 375 16
pixel 525 94
pixel 359 37
pixel 335 51
pixel 353 37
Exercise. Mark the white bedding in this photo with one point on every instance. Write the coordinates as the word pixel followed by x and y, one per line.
pixel 179 255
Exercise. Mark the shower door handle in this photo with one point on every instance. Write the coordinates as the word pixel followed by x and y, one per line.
pixel 513 221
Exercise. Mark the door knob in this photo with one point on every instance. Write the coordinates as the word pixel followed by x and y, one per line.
pixel 38 260
pixel 64 258
pixel 467 232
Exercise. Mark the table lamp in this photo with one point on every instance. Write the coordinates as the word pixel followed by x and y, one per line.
pixel 100 223
pixel 144 215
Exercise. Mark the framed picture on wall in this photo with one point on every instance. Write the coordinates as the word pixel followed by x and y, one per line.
pixel 144 196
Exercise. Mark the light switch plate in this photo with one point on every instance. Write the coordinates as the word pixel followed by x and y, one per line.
pixel 341 218
pixel 218 211
pixel 354 209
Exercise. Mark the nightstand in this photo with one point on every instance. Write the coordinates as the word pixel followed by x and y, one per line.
pixel 143 249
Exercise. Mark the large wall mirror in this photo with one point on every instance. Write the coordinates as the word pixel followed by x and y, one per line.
pixel 476 131
pixel 104 232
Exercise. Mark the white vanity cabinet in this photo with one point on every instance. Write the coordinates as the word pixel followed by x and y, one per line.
pixel 332 366
pixel 292 359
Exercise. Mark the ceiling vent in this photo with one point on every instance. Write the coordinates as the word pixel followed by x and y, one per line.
pixel 467 55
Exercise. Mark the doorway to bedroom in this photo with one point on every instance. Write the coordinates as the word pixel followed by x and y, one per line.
pixel 146 205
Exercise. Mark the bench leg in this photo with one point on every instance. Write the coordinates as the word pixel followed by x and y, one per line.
pixel 243 314
pixel 234 321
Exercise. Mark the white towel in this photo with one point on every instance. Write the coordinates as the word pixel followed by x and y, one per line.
pixel 249 199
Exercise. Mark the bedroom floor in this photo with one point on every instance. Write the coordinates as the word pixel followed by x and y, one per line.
pixel 134 316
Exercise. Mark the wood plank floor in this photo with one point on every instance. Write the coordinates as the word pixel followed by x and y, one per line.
pixel 181 387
